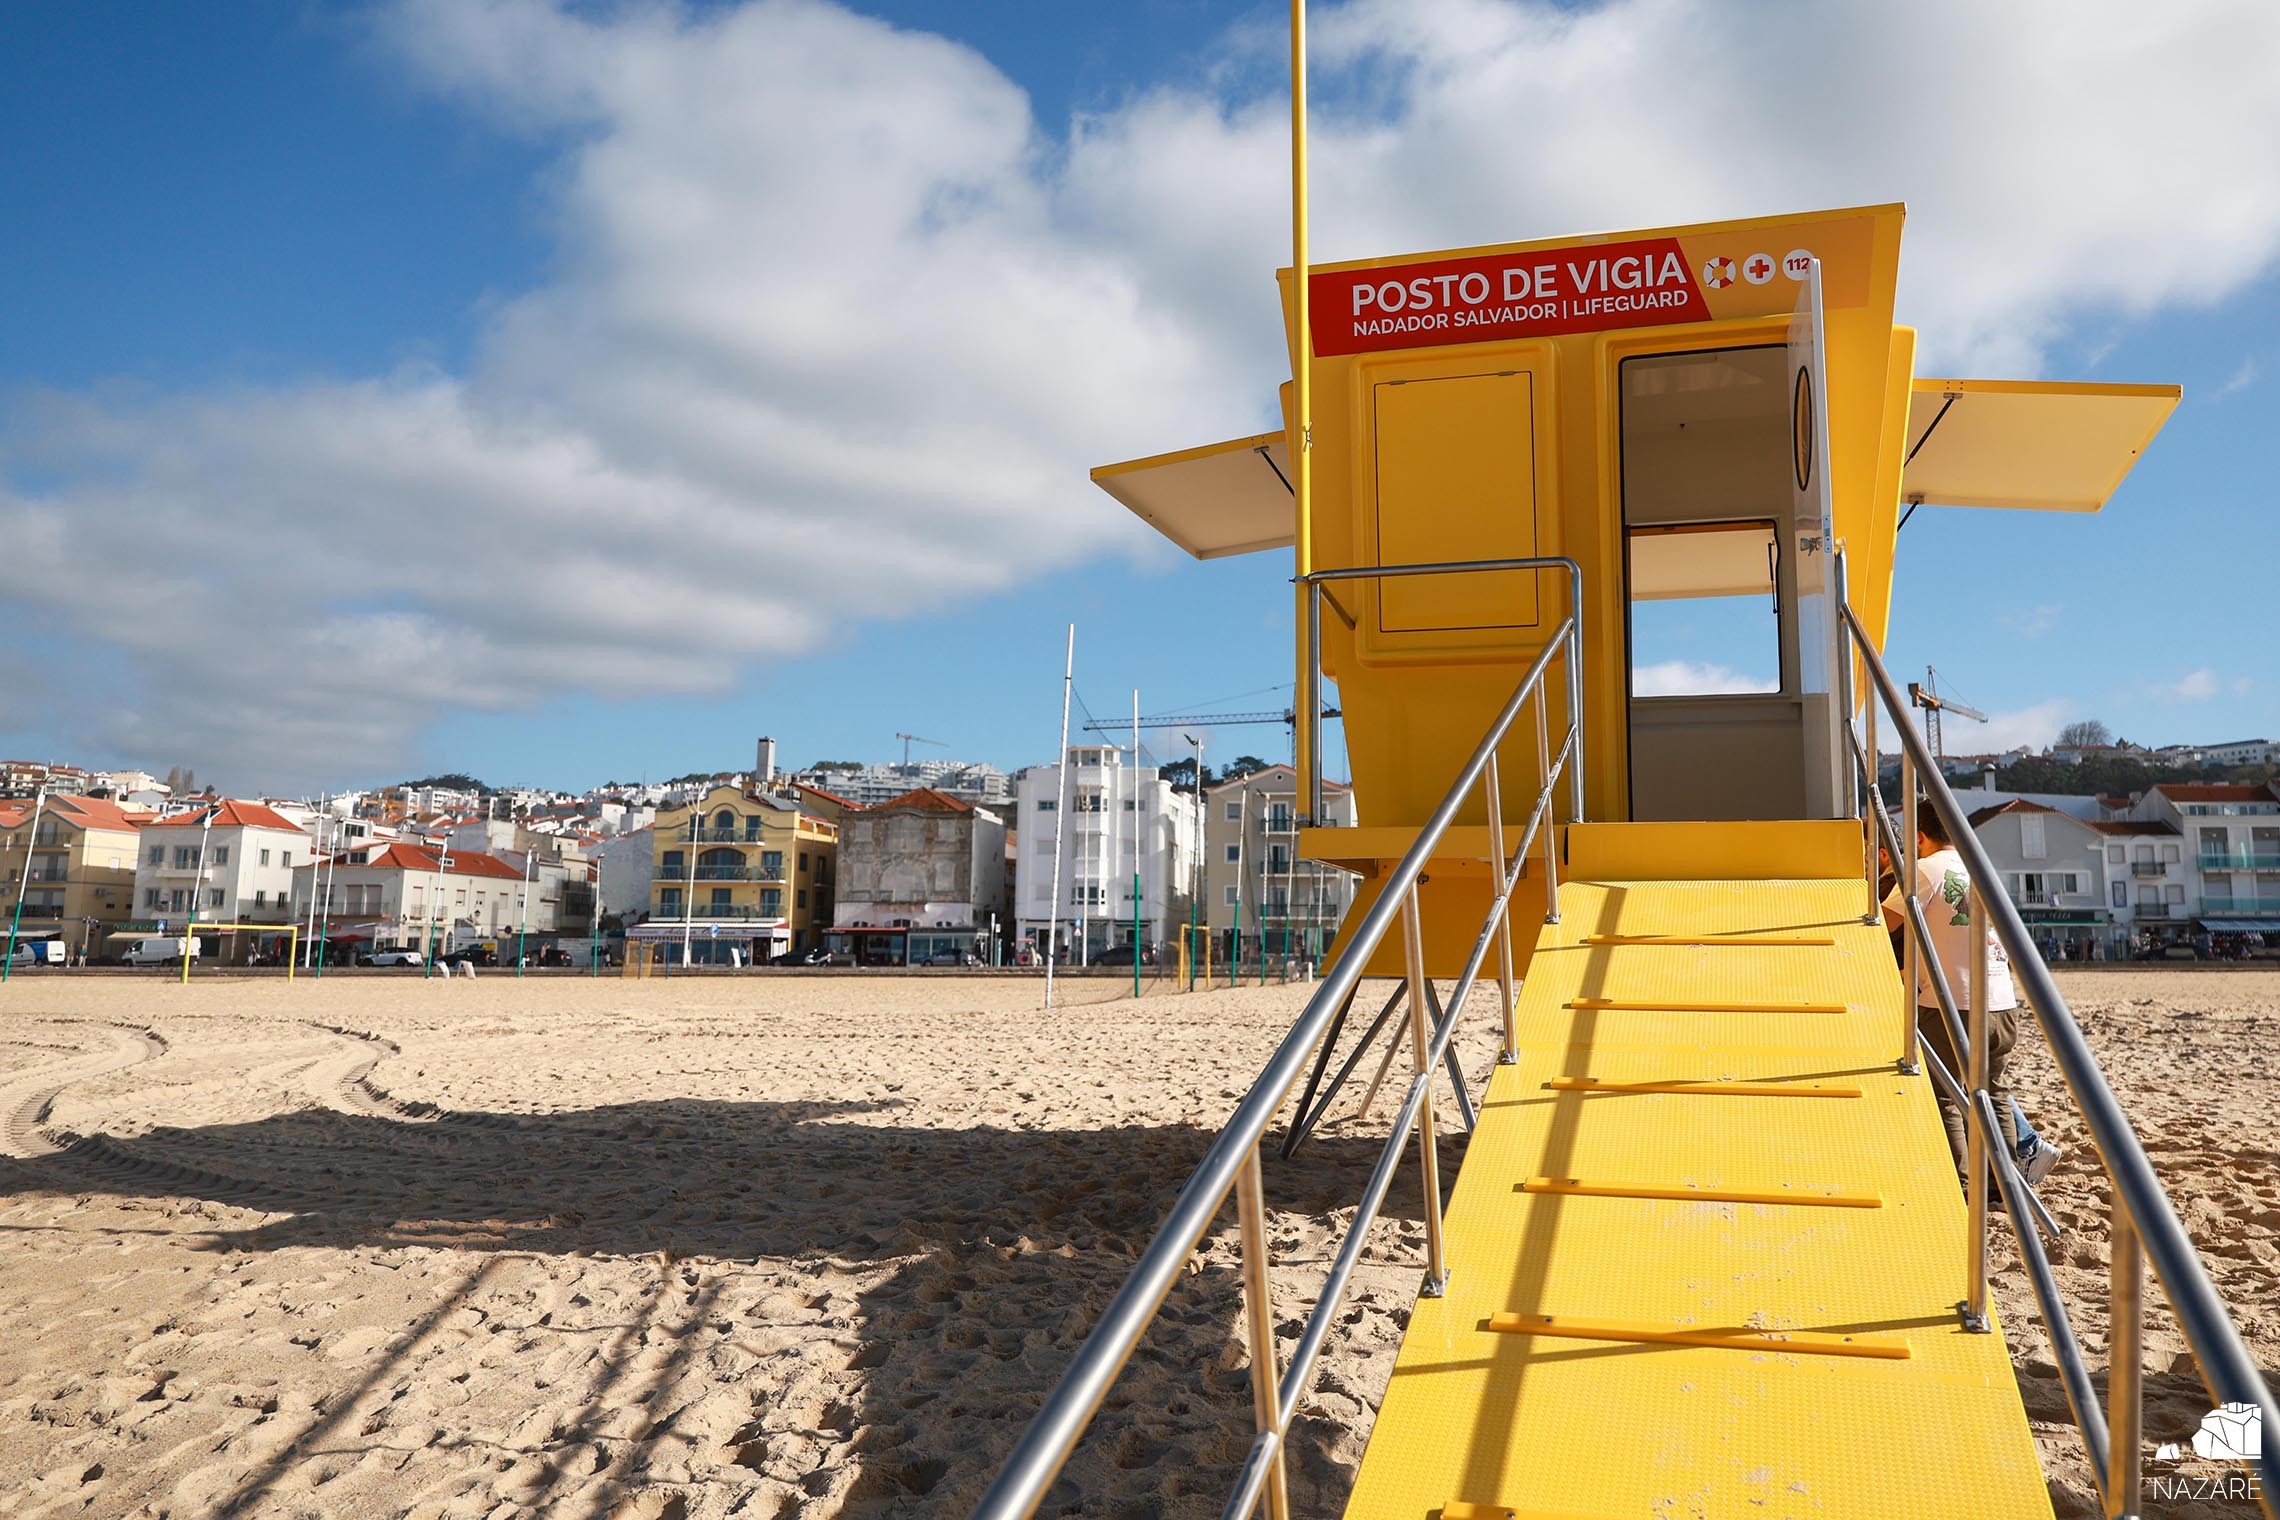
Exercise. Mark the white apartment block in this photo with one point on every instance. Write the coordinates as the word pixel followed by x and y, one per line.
pixel 1287 905
pixel 223 862
pixel 392 893
pixel 1111 807
pixel 2231 835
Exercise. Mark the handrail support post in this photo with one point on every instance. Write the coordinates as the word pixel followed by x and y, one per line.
pixel 1544 769
pixel 1421 1046
pixel 1912 952
pixel 1976 1138
pixel 2125 1366
pixel 1509 1053
pixel 1259 1312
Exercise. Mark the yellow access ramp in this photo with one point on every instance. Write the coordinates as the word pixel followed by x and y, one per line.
pixel 1626 1333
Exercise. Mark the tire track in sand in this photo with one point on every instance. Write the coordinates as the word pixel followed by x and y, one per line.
pixel 27 1099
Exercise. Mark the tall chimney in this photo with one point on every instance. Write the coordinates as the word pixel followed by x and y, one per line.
pixel 1990 782
pixel 764 763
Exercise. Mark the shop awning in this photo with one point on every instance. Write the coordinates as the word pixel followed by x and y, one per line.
pixel 1218 500
pixel 2035 445
pixel 2241 925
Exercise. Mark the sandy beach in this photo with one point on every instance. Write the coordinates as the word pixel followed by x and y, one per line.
pixel 783 1246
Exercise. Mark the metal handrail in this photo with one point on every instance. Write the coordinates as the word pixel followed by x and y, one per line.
pixel 2145 1228
pixel 1232 1162
pixel 1311 697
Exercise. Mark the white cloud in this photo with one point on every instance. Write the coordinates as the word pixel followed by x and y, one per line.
pixel 834 327
pixel 2029 727
pixel 1688 678
pixel 2035 622
pixel 2240 379
pixel 2196 686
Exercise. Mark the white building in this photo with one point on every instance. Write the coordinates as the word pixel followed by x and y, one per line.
pixel 2054 869
pixel 2231 834
pixel 870 785
pixel 2150 887
pixel 2240 752
pixel 392 893
pixel 1111 806
pixel 627 864
pixel 229 862
pixel 1251 862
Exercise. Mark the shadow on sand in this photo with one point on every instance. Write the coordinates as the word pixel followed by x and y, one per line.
pixel 996 1246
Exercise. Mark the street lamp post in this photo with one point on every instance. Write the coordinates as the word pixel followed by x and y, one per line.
pixel 530 859
pixel 197 887
pixel 24 885
pixel 1195 879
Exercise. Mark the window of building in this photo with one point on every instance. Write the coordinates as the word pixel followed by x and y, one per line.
pixel 1233 812
pixel 1047 805
pixel 260 898
pixel 799 897
pixel 286 860
pixel 158 854
pixel 150 898
pixel 772 902
pixel 1231 898
pixel 213 897
pixel 2173 893
pixel 803 862
pixel 183 857
pixel 1234 853
pixel 2121 894
pixel 2114 854
pixel 221 854
pixel 2218 891
pixel 2171 853
pixel 265 857
pixel 2033 843
pixel 674 863
pixel 752 829
pixel 669 899
pixel 772 864
pixel 1131 805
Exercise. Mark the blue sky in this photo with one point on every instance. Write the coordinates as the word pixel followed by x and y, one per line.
pixel 529 391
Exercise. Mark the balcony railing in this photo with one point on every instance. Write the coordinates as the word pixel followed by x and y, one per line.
pixel 2026 899
pixel 2160 910
pixel 714 913
pixel 2240 907
pixel 2143 868
pixel 736 873
pixel 714 836
pixel 2215 862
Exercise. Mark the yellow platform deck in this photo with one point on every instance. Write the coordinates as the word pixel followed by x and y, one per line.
pixel 1802 1357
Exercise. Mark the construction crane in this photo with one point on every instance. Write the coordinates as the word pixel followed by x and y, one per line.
pixel 910 739
pixel 1926 695
pixel 1286 718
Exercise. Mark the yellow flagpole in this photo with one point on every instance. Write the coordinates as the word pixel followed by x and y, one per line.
pixel 1302 397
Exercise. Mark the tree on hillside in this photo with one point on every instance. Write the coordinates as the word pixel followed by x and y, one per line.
pixel 1181 773
pixel 1242 765
pixel 2087 732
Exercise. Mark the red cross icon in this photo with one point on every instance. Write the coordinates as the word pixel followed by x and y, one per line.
pixel 1760 266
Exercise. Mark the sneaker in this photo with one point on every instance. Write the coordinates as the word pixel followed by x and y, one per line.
pixel 2036 1157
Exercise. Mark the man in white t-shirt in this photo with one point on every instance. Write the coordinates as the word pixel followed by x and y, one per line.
pixel 1943 888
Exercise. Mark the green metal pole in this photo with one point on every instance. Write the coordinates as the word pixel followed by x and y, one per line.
pixel 1136 930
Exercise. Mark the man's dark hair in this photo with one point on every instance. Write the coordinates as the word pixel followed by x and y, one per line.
pixel 1928 824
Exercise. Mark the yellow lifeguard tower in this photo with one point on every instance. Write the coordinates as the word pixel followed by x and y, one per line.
pixel 1705 1255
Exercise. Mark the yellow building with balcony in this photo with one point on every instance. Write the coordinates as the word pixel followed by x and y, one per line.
pixel 739 874
pixel 78 883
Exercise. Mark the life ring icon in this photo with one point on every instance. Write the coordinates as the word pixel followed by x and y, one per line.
pixel 1718 273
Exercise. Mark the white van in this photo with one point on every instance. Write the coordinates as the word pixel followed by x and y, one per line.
pixel 157 951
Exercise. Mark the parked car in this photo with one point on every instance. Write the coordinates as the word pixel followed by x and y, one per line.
pixel 472 955
pixel 1121 955
pixel 38 952
pixel 159 951
pixel 815 957
pixel 2174 950
pixel 951 958
pixel 390 958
